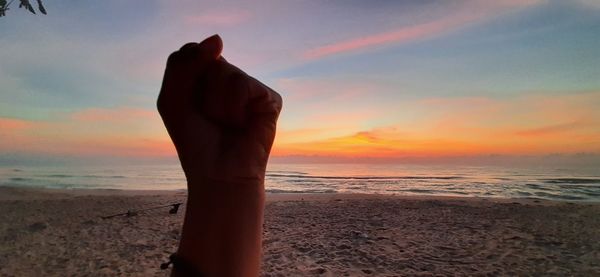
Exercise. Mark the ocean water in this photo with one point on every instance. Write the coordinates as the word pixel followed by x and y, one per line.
pixel 572 184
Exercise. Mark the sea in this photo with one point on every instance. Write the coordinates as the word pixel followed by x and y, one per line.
pixel 554 183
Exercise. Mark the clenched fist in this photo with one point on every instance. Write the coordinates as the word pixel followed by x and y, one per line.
pixel 221 120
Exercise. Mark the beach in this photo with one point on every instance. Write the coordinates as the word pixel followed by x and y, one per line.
pixel 52 232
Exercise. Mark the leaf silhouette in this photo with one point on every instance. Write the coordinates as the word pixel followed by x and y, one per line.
pixel 22 4
pixel 27 5
pixel 41 7
pixel 3 7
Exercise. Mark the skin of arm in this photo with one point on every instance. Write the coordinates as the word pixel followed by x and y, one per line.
pixel 222 123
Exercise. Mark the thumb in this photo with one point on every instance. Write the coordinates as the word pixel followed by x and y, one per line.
pixel 211 48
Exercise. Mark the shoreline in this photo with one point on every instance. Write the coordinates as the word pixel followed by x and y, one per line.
pixel 31 193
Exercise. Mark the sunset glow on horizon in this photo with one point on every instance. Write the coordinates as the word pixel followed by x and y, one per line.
pixel 360 79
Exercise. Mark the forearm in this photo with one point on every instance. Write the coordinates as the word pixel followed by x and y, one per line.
pixel 222 230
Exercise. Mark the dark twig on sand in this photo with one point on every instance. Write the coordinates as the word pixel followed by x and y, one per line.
pixel 129 213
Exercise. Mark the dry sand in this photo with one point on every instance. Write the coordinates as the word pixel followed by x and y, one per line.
pixel 60 233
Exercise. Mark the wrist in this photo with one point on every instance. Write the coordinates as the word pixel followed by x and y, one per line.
pixel 223 216
pixel 203 186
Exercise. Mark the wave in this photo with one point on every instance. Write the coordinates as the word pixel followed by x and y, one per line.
pixel 429 191
pixel 19 179
pixel 286 172
pixel 301 191
pixel 558 196
pixel 366 177
pixel 571 181
pixel 103 176
pixel 538 187
pixel 58 176
pixel 82 176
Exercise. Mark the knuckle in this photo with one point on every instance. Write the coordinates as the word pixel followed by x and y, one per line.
pixel 173 58
pixel 160 104
pixel 276 99
pixel 188 46
pixel 237 78
pixel 275 96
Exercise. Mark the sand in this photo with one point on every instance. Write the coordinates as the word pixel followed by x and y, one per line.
pixel 60 233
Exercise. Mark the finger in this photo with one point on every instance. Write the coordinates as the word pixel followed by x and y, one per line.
pixel 229 96
pixel 183 69
pixel 224 96
pixel 262 113
pixel 199 55
pixel 188 46
pixel 210 48
pixel 237 98
pixel 244 94
pixel 262 98
pixel 189 51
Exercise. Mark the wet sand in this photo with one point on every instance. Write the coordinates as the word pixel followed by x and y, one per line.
pixel 61 233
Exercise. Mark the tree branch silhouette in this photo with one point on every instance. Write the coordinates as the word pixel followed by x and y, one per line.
pixel 4 6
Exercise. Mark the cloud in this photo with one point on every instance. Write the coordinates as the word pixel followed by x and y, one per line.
pixel 382 142
pixel 554 129
pixel 11 124
pixel 533 124
pixel 122 131
pixel 470 11
pixel 400 35
pixel 286 136
pixel 116 114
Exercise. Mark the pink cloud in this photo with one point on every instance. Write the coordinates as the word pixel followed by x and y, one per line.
pixel 14 134
pixel 469 13
pixel 403 34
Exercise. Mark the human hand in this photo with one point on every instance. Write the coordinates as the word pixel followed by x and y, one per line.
pixel 221 120
pixel 222 123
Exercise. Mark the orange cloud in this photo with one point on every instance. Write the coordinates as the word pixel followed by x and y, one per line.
pixel 553 129
pixel 121 132
pixel 528 124
pixel 10 124
pixel 295 135
pixel 531 124
pixel 120 146
pixel 16 135
pixel 374 143
pixel 117 114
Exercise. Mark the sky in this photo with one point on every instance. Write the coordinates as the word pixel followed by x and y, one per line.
pixel 377 81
